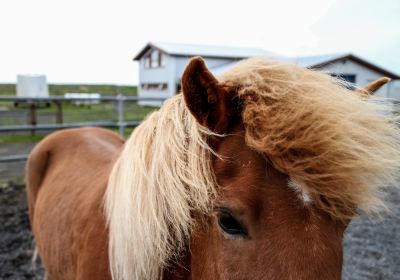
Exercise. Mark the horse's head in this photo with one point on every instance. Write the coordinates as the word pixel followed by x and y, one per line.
pixel 287 181
pixel 254 175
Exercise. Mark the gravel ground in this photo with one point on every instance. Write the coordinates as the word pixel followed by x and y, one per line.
pixel 16 243
pixel 10 171
pixel 372 249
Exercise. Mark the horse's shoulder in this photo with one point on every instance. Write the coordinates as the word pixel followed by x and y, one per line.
pixel 90 143
pixel 78 137
pixel 84 134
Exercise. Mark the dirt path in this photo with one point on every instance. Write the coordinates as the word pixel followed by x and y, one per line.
pixel 372 248
pixel 16 247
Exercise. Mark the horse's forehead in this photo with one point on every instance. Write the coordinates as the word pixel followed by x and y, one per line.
pixel 249 182
pixel 237 160
pixel 245 176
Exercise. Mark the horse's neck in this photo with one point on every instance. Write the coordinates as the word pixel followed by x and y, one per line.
pixel 178 270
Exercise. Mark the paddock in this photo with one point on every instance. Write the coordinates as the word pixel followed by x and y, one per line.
pixel 370 247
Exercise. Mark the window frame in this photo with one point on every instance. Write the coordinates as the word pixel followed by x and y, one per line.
pixel 155 61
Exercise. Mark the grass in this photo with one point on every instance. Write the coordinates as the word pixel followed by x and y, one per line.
pixel 105 111
pixel 60 89
pixel 96 112
pixel 7 89
pixel 20 138
pixel 18 180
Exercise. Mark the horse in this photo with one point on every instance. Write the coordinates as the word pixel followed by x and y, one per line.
pixel 254 174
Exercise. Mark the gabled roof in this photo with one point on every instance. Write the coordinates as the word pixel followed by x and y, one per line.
pixel 314 62
pixel 203 50
pixel 320 61
pixel 310 61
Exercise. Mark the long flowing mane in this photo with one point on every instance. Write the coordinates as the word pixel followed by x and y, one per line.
pixel 163 173
pixel 335 143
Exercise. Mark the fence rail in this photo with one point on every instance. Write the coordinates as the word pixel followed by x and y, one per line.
pixel 13 158
pixel 62 98
pixel 121 123
pixel 39 127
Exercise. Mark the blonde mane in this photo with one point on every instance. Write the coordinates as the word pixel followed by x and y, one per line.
pixel 331 141
pixel 342 148
pixel 163 173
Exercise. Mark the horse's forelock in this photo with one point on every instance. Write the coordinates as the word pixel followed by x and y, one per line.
pixel 315 130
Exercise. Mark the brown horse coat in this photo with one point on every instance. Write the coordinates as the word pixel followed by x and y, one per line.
pixel 268 199
pixel 83 229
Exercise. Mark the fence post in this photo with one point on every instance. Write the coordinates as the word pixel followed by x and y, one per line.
pixel 120 108
pixel 59 113
pixel 32 116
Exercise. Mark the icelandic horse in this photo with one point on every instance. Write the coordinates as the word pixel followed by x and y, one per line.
pixel 251 175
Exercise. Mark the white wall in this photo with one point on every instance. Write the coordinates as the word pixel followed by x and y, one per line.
pixel 181 63
pixel 363 74
pixel 175 65
pixel 395 90
pixel 163 74
pixel 170 74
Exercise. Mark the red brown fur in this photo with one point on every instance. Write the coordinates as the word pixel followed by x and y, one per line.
pixel 284 237
pixel 66 208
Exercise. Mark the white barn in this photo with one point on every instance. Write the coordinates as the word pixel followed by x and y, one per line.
pixel 161 66
pixel 353 69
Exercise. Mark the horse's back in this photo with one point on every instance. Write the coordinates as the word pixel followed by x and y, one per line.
pixel 66 178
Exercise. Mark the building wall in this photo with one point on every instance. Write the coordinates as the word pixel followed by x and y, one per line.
pixel 363 74
pixel 170 74
pixel 181 63
pixel 395 90
pixel 159 75
pixel 175 65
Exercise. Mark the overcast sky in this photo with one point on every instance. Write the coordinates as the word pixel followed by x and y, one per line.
pixel 94 41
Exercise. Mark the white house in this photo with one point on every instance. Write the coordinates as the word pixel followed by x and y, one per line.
pixel 346 66
pixel 353 69
pixel 161 66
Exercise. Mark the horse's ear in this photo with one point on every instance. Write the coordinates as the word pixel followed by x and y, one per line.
pixel 372 87
pixel 207 100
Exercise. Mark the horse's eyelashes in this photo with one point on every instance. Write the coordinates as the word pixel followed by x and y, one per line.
pixel 230 225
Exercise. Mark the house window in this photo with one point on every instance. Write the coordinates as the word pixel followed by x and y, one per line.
pixel 162 59
pixel 349 78
pixel 147 62
pixel 155 62
pixel 155 59
pixel 155 86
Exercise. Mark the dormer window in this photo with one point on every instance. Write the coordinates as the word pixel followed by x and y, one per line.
pixel 154 59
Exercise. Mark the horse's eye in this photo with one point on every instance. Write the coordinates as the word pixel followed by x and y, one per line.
pixel 230 225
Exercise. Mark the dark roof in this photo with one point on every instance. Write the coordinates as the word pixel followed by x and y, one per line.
pixel 358 60
pixel 314 62
pixel 203 50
